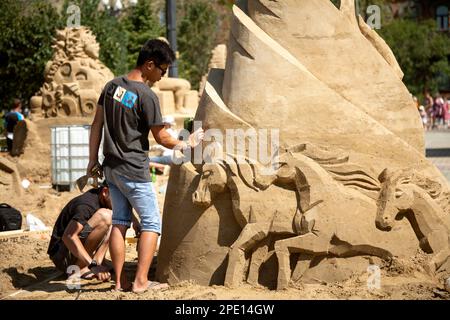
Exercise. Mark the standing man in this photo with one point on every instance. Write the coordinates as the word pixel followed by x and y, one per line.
pixel 127 111
pixel 11 119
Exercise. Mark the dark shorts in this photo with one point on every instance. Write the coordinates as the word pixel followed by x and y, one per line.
pixel 63 258
pixel 9 144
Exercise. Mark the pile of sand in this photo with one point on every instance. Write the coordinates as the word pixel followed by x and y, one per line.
pixel 25 266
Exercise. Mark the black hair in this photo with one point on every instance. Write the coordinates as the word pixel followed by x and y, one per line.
pixel 16 103
pixel 103 184
pixel 156 50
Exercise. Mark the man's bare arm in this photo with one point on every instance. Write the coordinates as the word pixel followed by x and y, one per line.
pixel 165 139
pixel 95 138
pixel 73 242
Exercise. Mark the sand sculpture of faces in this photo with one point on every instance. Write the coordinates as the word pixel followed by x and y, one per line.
pixel 74 77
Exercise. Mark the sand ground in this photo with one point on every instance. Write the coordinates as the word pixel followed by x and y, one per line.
pixel 27 273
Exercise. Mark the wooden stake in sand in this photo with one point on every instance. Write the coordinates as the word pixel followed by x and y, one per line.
pixel 16 235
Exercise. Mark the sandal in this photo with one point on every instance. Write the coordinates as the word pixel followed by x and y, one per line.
pixel 153 285
pixel 89 275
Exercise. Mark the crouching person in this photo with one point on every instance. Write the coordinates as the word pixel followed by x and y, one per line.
pixel 81 234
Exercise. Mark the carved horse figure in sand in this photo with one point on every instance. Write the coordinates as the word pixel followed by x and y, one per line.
pixel 400 196
pixel 251 196
pixel 319 222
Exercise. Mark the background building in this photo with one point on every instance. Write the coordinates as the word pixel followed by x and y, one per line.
pixel 423 9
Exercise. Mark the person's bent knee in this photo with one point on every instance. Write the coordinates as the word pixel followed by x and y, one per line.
pixel 105 216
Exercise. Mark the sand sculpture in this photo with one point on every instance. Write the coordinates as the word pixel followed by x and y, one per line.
pixel 218 61
pixel 20 135
pixel 9 177
pixel 175 95
pixel 350 185
pixel 74 78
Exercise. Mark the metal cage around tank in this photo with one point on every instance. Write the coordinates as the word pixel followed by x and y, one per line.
pixel 70 154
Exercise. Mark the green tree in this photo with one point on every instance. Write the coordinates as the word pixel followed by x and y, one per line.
pixel 196 35
pixel 27 28
pixel 421 51
pixel 108 30
pixel 227 3
pixel 141 24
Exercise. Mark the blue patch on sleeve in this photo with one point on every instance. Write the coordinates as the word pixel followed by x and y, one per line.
pixel 20 116
pixel 129 99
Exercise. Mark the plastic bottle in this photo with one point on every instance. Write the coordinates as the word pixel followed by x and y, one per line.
pixel 153 174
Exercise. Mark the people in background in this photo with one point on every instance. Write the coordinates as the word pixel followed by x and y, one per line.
pixel 11 120
pixel 424 117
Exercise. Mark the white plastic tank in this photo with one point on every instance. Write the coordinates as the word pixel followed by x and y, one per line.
pixel 70 154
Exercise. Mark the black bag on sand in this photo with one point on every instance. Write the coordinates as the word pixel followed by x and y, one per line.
pixel 10 218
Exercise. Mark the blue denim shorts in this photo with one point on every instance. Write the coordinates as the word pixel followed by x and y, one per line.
pixel 127 194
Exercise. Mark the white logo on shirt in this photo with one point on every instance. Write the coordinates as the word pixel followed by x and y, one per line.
pixel 120 92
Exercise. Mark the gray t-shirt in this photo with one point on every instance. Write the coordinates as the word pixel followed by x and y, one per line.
pixel 130 109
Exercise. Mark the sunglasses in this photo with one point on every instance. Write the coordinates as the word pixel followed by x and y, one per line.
pixel 163 71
